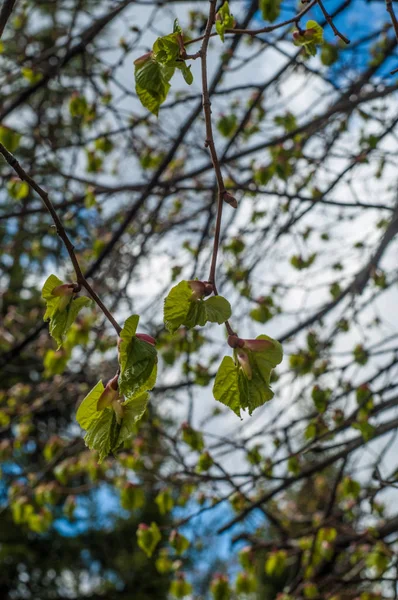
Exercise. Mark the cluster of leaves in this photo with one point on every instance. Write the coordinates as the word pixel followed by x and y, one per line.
pixel 154 70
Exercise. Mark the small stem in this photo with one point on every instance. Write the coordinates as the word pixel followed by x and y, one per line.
pixel 5 13
pixel 81 280
pixel 266 29
pixel 332 25
pixel 210 141
pixel 394 21
pixel 213 152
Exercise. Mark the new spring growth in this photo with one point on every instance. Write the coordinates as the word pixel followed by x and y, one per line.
pixel 146 338
pixel 230 199
pixel 109 395
pixel 65 292
pixel 143 59
pixel 200 289
pixel 241 345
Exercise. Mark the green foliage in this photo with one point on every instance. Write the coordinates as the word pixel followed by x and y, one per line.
pixel 227 124
pixel 9 138
pixel 224 20
pixel 360 355
pixel 148 538
pixel 18 189
pixel 180 588
pixel 132 496
pixel 61 310
pixel 320 398
pixel 30 75
pixel 220 588
pixel 275 563
pixel 104 433
pixel 246 583
pixel 165 501
pixel 270 9
pixel 193 438
pixel 205 461
pixel 243 382
pixel 178 542
pixel 137 359
pixel 329 54
pixel 154 70
pixel 184 306
pixel 310 38
pixel 300 263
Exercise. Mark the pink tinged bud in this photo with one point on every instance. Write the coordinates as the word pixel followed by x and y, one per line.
pixel 141 60
pixel 66 289
pixel 198 289
pixel 109 395
pixel 297 36
pixel 143 526
pixel 258 345
pixel 235 342
pixel 119 410
pixel 245 364
pixel 146 338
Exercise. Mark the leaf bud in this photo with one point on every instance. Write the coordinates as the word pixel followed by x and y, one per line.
pixel 66 289
pixel 198 289
pixel 230 199
pixel 257 345
pixel 109 395
pixel 245 364
pixel 235 342
pixel 146 338
pixel 141 60
pixel 119 410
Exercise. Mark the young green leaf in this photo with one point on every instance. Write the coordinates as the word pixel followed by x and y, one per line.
pixel 134 409
pixel 244 383
pixel 138 361
pixel 224 20
pixel 61 307
pixel 87 411
pixel 154 70
pixel 310 38
pixel 226 388
pixel 218 309
pixel 104 433
pixel 148 538
pixel 270 9
pixel 9 138
pixel 152 84
pixel 185 305
pixel 165 501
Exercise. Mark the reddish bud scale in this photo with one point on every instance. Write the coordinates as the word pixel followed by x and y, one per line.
pixel 235 342
pixel 143 526
pixel 109 395
pixel 66 289
pixel 198 289
pixel 146 338
pixel 244 362
pixel 142 59
pixel 257 345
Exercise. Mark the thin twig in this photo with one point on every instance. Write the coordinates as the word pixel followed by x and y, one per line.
pixel 213 152
pixel 332 25
pixel 266 29
pixel 5 13
pixel 81 280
